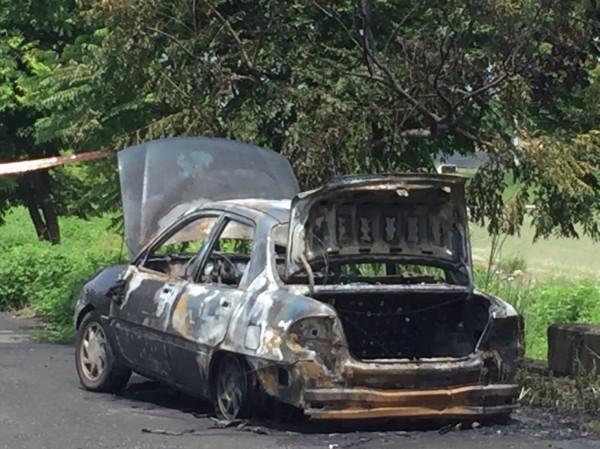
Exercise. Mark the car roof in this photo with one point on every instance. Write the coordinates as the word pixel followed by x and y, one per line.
pixel 277 209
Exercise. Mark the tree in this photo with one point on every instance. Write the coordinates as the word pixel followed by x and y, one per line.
pixel 33 35
pixel 351 86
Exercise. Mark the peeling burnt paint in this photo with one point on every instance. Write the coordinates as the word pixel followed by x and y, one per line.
pixel 417 216
pixel 336 350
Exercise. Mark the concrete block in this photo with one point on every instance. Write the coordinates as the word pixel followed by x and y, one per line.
pixel 573 346
pixel 590 352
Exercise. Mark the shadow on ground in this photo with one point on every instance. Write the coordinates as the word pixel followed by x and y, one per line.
pixel 149 394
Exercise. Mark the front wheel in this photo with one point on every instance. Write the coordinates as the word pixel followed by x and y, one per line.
pixel 97 366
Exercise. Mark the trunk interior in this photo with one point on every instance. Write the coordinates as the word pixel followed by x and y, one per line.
pixel 411 325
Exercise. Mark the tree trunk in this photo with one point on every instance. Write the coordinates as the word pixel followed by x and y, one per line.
pixel 34 189
pixel 27 192
pixel 43 195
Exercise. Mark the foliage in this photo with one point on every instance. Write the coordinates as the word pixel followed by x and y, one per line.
pixel 338 87
pixel 34 36
pixel 49 278
pixel 348 86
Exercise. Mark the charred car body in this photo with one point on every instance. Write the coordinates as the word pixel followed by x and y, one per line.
pixel 355 300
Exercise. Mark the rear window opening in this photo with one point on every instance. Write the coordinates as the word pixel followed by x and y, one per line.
pixel 389 272
pixel 341 273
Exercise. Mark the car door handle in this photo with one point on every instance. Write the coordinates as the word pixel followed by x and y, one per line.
pixel 167 290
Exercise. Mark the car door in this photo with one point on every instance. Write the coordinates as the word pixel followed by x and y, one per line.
pixel 202 313
pixel 141 314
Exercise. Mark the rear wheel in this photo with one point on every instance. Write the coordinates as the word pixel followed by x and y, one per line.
pixel 236 390
pixel 97 366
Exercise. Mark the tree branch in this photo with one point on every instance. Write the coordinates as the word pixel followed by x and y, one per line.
pixel 424 133
pixel 368 41
pixel 391 82
pixel 400 24
pixel 443 57
pixel 176 41
pixel 482 89
pixel 237 39
pixel 337 18
pixel 434 124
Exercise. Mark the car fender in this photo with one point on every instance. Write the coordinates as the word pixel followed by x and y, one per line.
pixel 259 327
pixel 94 293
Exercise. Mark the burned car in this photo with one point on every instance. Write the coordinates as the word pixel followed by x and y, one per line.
pixel 355 300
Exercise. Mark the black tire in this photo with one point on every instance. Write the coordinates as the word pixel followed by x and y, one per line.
pixel 236 389
pixel 97 366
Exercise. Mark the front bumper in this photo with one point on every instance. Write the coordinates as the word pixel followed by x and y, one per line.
pixel 364 403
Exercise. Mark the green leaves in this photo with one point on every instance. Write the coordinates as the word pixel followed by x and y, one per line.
pixel 348 86
pixel 48 278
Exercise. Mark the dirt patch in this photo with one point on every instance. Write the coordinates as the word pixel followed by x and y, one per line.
pixel 23 320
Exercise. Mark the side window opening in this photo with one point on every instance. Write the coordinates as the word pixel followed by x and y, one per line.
pixel 229 258
pixel 177 254
pixel 279 239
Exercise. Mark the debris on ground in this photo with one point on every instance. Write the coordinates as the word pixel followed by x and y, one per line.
pixel 169 432
pixel 225 423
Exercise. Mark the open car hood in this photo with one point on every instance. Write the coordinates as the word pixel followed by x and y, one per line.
pixel 163 179
pixel 408 217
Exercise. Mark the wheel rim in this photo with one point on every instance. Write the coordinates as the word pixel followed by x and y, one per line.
pixel 92 352
pixel 231 387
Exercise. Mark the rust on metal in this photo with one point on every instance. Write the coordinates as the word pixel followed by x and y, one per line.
pixel 450 402
pixel 352 301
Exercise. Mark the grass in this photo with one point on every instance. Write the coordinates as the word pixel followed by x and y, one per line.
pixel 48 278
pixel 552 257
pixel 545 258
pixel 554 280
pixel 544 302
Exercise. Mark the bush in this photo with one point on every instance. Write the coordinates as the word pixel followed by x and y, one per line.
pixel 559 301
pixel 46 277
pixel 512 264
pixel 544 302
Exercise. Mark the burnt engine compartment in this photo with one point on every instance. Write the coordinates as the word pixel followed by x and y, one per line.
pixel 409 325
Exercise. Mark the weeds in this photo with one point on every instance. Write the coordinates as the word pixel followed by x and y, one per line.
pixel 512 265
pixel 541 302
pixel 47 278
pixel 545 302
pixel 539 386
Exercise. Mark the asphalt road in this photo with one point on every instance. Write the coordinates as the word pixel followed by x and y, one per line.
pixel 42 406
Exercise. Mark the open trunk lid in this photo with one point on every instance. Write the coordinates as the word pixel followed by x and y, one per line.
pixel 406 217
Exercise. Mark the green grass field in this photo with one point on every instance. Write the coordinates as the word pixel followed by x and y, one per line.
pixel 552 257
